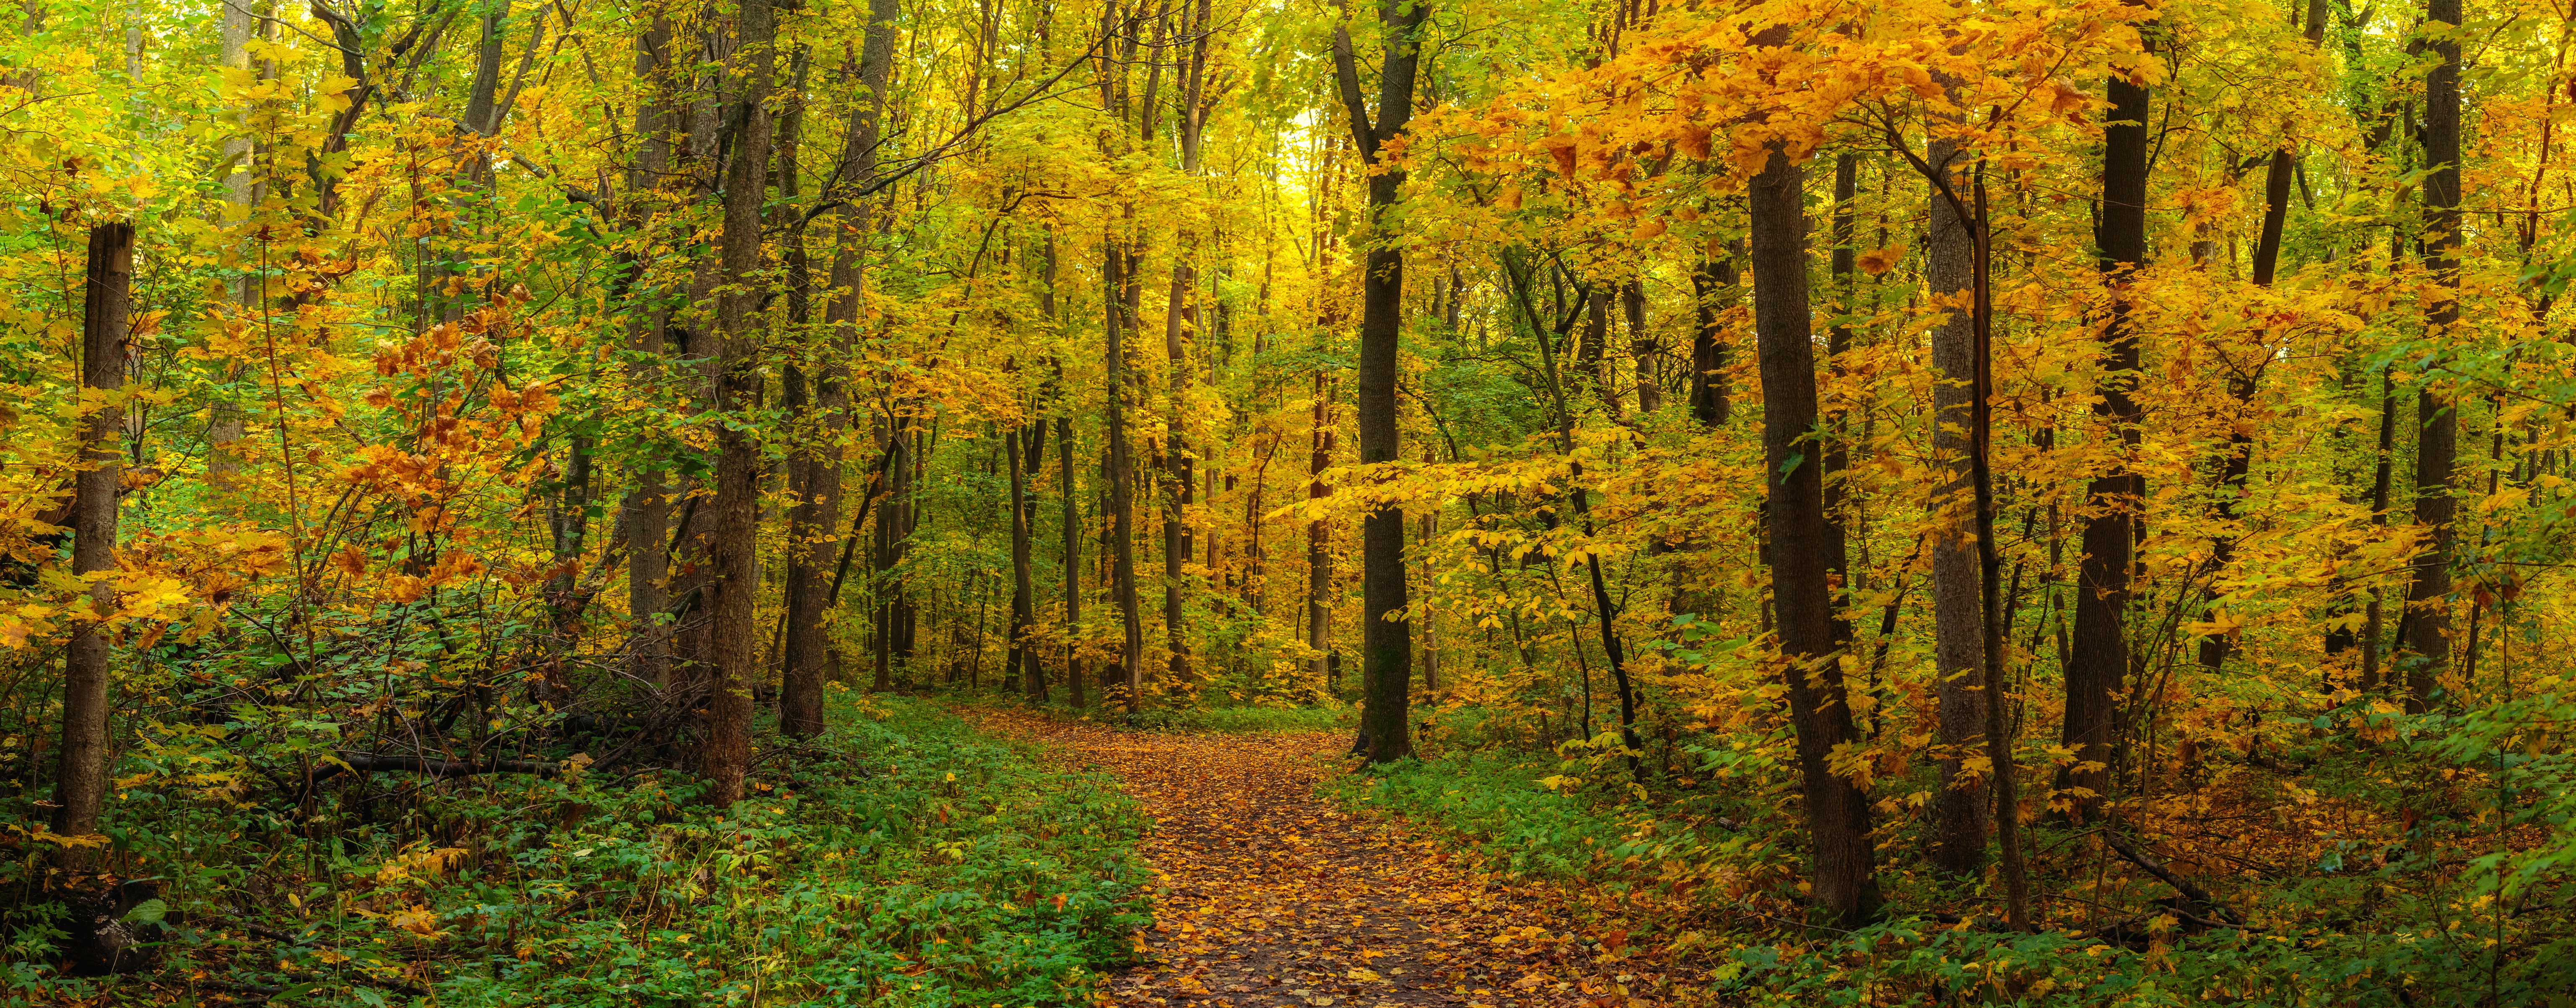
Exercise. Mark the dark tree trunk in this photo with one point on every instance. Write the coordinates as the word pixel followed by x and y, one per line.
pixel 1023 592
pixel 734 578
pixel 1837 812
pixel 1386 642
pixel 2426 626
pixel 80 768
pixel 1122 501
pixel 1958 609
pixel 2242 380
pixel 1071 517
pixel 813 575
pixel 1715 284
pixel 2100 665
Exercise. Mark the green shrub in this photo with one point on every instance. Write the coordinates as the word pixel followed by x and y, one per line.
pixel 906 860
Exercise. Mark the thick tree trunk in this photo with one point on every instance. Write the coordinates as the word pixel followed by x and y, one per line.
pixel 80 768
pixel 1958 611
pixel 1386 640
pixel 2426 625
pixel 2100 666
pixel 1837 812
pixel 734 581
pixel 647 507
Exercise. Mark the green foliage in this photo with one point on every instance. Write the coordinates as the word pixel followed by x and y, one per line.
pixel 905 860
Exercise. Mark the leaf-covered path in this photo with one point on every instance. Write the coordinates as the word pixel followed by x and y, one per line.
pixel 1272 896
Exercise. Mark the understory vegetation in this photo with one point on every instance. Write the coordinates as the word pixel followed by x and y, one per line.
pixel 904 859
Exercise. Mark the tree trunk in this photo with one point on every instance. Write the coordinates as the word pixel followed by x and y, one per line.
pixel 733 581
pixel 1386 640
pixel 2426 625
pixel 1023 593
pixel 2100 666
pixel 1715 284
pixel 1071 517
pixel 80 768
pixel 1648 354
pixel 1837 812
pixel 1122 503
pixel 223 416
pixel 815 532
pixel 2242 381
pixel 1319 556
pixel 1958 612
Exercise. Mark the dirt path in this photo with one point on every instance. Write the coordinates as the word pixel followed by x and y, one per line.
pixel 1274 897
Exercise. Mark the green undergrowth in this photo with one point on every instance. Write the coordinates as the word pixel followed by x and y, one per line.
pixel 905 860
pixel 1712 874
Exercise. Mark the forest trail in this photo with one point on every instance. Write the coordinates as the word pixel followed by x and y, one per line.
pixel 1272 896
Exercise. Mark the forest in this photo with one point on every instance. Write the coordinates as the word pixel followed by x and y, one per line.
pixel 1285 502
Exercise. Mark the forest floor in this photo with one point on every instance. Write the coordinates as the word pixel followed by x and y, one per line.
pixel 1270 895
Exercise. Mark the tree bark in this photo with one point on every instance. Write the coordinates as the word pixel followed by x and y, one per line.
pixel 814 532
pixel 2100 654
pixel 1386 640
pixel 733 637
pixel 2426 625
pixel 1122 503
pixel 1071 518
pixel 1648 354
pixel 1715 282
pixel 1837 812
pixel 1958 611
pixel 80 768
pixel 1319 555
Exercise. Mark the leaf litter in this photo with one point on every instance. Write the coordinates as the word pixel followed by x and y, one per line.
pixel 1270 895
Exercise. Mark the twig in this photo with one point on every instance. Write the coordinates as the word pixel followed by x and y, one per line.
pixel 2143 860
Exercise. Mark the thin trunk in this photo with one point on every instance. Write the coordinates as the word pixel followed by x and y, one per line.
pixel 2243 380
pixel 1071 517
pixel 1319 557
pixel 1716 283
pixel 80 768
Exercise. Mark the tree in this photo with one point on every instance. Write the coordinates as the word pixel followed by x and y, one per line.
pixel 1837 812
pixel 1386 647
pixel 2426 626
pixel 735 638
pixel 80 768
pixel 2100 665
